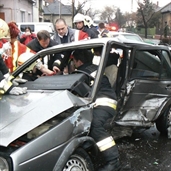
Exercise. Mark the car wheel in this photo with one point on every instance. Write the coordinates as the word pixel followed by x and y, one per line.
pixel 79 161
pixel 163 121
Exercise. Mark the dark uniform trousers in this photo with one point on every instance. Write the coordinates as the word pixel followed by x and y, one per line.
pixel 104 109
pixel 108 149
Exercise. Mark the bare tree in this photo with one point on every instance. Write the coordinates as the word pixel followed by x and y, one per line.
pixel 144 13
pixel 120 18
pixel 80 7
pixel 130 19
pixel 108 14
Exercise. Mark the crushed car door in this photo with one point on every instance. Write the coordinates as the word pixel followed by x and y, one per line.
pixel 148 87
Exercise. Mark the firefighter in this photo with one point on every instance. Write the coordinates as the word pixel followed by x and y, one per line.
pixel 90 24
pixel 7 81
pixel 17 48
pixel 104 109
pixel 82 24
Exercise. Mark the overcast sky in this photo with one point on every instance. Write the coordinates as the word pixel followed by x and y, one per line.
pixel 124 5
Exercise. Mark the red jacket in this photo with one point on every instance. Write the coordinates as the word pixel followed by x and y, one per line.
pixel 80 35
pixel 17 49
pixel 25 39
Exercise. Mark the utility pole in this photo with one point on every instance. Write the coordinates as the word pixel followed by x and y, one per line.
pixel 59 8
pixel 73 11
pixel 131 6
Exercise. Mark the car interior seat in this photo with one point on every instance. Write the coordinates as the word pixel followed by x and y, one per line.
pixel 111 72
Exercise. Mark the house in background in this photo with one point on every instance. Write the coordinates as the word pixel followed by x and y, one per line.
pixel 55 9
pixel 166 15
pixel 21 10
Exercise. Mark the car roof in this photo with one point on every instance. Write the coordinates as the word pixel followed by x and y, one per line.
pixel 98 42
pixel 92 43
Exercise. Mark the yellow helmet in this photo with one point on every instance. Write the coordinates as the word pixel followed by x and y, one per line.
pixel 4 30
pixel 24 57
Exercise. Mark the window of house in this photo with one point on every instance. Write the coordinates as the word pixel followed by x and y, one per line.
pixel 22 16
pixel 29 17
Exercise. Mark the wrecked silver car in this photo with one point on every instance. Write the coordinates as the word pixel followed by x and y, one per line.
pixel 48 128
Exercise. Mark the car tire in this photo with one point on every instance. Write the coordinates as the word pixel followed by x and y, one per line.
pixel 79 161
pixel 162 123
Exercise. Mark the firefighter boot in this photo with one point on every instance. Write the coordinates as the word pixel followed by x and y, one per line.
pixel 113 165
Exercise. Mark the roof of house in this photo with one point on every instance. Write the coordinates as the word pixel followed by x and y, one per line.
pixel 57 8
pixel 166 8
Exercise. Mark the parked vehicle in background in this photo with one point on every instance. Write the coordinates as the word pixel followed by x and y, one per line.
pixel 48 128
pixel 37 26
pixel 152 41
pixel 125 35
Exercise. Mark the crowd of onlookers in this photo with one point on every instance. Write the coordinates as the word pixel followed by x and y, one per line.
pixel 17 46
pixel 34 42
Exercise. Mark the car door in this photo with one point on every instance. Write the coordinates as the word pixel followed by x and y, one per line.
pixel 148 87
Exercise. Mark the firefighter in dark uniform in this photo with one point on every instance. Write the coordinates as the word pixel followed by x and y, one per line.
pixel 105 108
pixel 7 81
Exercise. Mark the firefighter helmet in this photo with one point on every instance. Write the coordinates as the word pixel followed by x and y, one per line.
pixel 88 21
pixel 24 57
pixel 4 30
pixel 78 18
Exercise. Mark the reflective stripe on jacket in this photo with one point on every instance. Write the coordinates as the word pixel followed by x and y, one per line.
pixel 106 143
pixel 104 101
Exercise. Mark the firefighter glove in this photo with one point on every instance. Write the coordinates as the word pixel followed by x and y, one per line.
pixel 18 81
pixel 18 90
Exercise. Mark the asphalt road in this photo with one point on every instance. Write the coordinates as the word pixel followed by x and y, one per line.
pixel 145 150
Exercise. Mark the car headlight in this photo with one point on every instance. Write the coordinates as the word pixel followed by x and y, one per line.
pixel 3 165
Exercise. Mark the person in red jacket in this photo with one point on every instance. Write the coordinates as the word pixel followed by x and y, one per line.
pixel 16 48
pixel 20 50
pixel 7 81
pixel 27 36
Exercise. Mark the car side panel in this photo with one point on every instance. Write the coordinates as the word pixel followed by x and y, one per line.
pixel 144 99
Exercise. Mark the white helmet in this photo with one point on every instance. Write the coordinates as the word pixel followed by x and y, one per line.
pixel 88 21
pixel 4 30
pixel 24 57
pixel 78 18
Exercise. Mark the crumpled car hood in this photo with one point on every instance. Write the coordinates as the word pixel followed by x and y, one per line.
pixel 20 114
